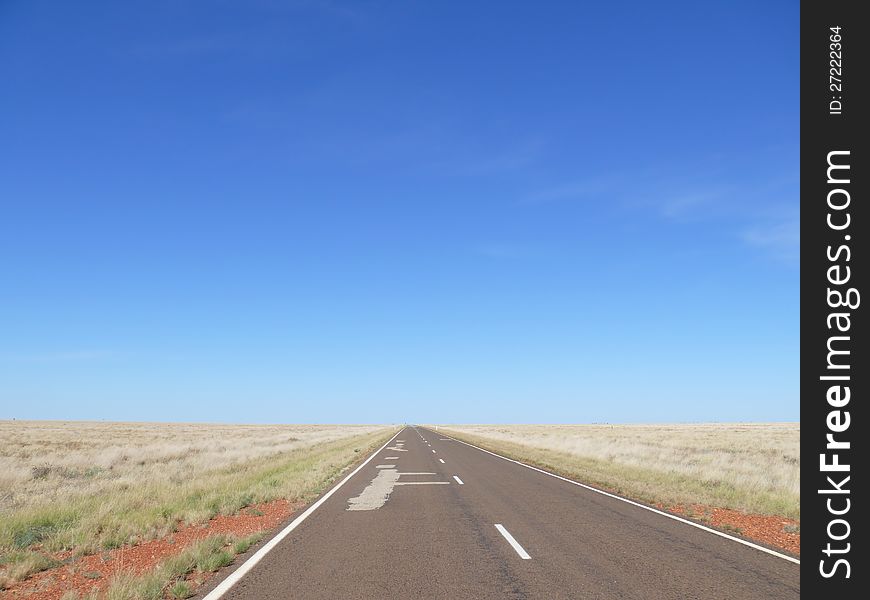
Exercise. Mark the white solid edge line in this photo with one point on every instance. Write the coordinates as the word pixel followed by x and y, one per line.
pixel 643 506
pixel 459 481
pixel 249 564
pixel 515 544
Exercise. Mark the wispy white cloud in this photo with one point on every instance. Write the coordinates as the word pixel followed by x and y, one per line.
pixel 504 250
pixel 62 356
pixel 267 41
pixel 691 205
pixel 619 184
pixel 515 156
pixel 781 239
pixel 569 191
pixel 343 10
pixel 734 201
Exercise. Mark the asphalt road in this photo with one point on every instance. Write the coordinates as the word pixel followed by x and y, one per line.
pixel 505 532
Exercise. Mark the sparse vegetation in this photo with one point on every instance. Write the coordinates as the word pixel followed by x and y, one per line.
pixel 241 546
pixel 732 528
pixel 89 487
pixel 749 467
pixel 17 564
pixel 180 589
pixel 205 556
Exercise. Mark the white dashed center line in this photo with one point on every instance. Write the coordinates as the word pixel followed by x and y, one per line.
pixel 442 460
pixel 459 481
pixel 422 483
pixel 514 544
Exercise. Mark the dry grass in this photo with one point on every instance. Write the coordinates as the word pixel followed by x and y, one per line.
pixel 93 486
pixel 750 467
pixel 170 576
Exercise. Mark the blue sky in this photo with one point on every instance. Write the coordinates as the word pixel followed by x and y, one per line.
pixel 319 211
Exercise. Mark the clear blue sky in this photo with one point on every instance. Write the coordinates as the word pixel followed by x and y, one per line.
pixel 325 211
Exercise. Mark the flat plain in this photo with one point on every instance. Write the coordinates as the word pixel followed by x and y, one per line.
pixel 87 487
pixel 751 467
pixel 431 517
pixel 115 511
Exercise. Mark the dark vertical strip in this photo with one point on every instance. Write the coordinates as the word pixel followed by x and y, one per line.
pixel 834 373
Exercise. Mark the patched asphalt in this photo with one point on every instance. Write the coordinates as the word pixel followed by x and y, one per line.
pixel 434 538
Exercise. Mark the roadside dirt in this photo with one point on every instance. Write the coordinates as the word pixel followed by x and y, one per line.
pixel 86 573
pixel 93 572
pixel 777 532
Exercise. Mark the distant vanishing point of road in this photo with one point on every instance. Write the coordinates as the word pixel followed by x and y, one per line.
pixel 431 517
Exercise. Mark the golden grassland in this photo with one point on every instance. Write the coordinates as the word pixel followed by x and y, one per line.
pixel 88 486
pixel 749 467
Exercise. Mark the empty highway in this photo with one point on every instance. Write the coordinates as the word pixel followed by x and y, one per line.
pixel 432 517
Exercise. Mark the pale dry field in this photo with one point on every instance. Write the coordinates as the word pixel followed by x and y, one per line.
pixel 750 467
pixel 52 461
pixel 88 486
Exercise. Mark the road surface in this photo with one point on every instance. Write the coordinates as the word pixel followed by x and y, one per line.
pixel 431 517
